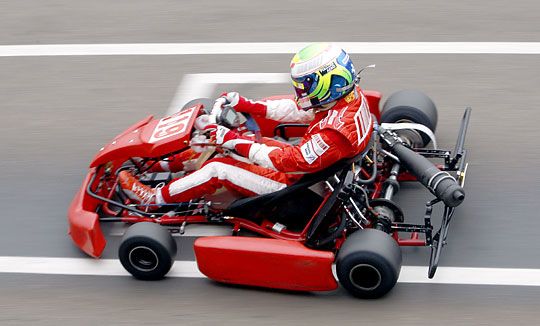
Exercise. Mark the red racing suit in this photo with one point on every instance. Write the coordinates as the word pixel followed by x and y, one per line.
pixel 334 134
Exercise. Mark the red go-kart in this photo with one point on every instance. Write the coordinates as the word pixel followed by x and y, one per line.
pixel 289 239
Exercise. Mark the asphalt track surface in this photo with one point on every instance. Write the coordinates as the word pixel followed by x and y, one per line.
pixel 57 111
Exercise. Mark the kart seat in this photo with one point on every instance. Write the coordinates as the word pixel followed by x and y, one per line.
pixel 253 207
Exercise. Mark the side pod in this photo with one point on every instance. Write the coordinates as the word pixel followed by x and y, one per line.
pixel 270 263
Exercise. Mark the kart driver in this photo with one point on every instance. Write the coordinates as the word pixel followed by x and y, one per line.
pixel 323 77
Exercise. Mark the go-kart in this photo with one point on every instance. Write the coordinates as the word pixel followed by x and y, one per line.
pixel 290 239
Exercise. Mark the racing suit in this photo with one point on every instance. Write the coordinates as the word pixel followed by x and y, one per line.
pixel 334 134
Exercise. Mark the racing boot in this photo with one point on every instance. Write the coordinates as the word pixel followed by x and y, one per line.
pixel 137 192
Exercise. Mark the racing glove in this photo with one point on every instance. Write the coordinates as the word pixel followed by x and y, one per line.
pixel 242 104
pixel 229 139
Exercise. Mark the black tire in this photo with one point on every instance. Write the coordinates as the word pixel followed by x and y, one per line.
pixel 207 103
pixel 411 106
pixel 368 264
pixel 147 251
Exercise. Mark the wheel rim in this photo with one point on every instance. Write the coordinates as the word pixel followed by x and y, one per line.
pixel 365 277
pixel 143 259
pixel 412 136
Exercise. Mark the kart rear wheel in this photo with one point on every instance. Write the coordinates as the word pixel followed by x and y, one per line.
pixel 368 264
pixel 411 106
pixel 147 251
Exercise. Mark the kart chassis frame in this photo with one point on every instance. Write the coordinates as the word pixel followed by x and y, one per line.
pixel 192 212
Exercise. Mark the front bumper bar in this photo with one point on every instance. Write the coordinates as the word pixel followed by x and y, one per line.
pixel 84 227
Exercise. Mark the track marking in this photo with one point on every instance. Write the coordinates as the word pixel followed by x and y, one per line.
pixel 188 269
pixel 472 275
pixel 83 266
pixel 195 86
pixel 268 48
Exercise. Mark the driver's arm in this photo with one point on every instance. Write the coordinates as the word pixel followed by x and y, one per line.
pixel 283 110
pixel 314 153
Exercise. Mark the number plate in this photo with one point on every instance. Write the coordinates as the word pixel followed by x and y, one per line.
pixel 173 125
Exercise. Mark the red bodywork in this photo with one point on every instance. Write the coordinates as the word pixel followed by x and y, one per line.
pixel 147 137
pixel 150 138
pixel 271 263
pixel 83 220
pixel 279 260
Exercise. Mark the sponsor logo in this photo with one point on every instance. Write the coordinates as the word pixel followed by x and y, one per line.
pixel 362 120
pixel 314 148
pixel 319 146
pixel 329 67
pixel 308 152
pixel 349 98
pixel 333 119
pixel 339 121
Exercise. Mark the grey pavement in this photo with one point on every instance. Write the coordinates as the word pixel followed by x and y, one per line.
pixel 57 111
pixel 126 21
pixel 63 109
pixel 68 300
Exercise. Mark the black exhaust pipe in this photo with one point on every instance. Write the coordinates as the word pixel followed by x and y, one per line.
pixel 440 183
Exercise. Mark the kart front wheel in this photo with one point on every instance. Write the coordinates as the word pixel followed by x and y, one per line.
pixel 368 264
pixel 147 251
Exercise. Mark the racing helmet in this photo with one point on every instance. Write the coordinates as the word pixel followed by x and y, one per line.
pixel 321 73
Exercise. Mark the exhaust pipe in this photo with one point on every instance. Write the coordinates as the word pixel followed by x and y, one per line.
pixel 439 183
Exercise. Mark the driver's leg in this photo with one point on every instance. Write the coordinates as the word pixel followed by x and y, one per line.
pixel 240 177
pixel 176 162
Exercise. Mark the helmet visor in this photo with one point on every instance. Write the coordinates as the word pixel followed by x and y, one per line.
pixel 303 87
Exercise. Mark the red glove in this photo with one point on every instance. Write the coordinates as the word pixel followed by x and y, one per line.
pixel 242 104
pixel 229 139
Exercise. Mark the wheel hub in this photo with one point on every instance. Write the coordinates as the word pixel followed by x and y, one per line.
pixel 143 259
pixel 365 277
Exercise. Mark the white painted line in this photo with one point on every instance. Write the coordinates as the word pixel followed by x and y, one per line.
pixel 409 274
pixel 472 275
pixel 268 48
pixel 83 266
pixel 195 86
pixel 190 88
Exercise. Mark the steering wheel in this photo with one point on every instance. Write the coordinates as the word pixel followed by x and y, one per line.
pixel 230 118
pixel 208 103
